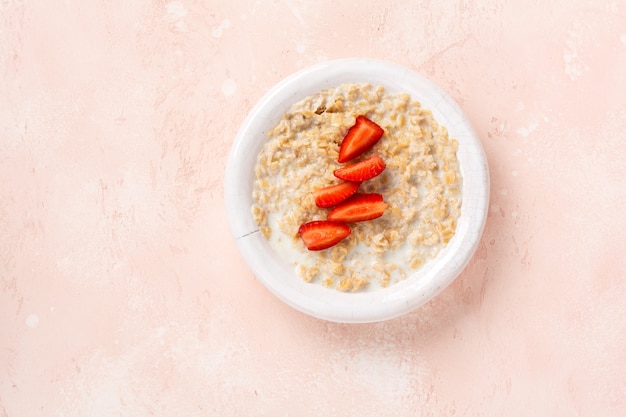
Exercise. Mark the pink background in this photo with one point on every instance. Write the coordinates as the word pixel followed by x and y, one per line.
pixel 122 292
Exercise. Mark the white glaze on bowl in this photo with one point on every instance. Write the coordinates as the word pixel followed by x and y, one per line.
pixel 317 300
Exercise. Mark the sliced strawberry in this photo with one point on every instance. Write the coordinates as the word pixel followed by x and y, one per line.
pixel 359 207
pixel 322 234
pixel 361 171
pixel 360 137
pixel 335 194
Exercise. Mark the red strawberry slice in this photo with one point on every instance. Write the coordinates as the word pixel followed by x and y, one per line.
pixel 322 234
pixel 360 137
pixel 359 207
pixel 361 171
pixel 335 194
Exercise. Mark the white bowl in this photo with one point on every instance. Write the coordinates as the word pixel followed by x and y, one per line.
pixel 313 298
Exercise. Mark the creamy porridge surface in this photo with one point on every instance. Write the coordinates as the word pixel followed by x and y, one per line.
pixel 421 185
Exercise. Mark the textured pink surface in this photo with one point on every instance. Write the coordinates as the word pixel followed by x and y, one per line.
pixel 122 292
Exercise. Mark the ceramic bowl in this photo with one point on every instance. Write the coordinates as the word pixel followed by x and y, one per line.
pixel 280 277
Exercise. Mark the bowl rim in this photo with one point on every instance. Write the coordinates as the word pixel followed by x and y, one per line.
pixel 328 303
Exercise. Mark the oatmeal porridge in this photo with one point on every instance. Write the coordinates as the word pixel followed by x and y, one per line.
pixel 421 187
